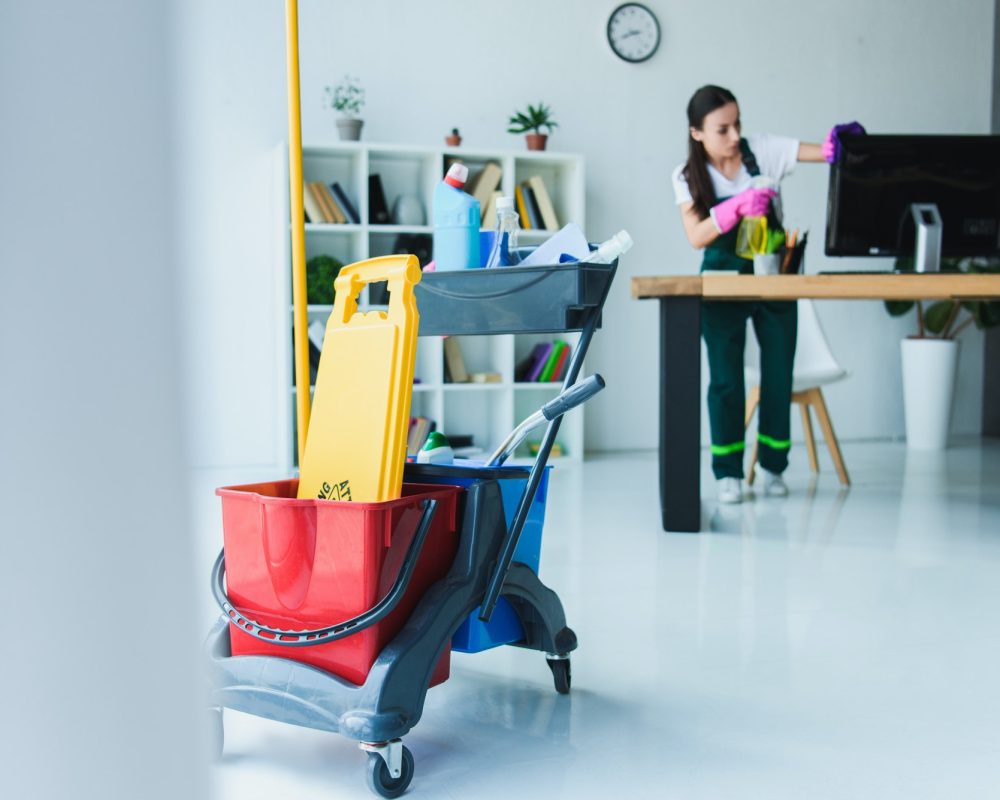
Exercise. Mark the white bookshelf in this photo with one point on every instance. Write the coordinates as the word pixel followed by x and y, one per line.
pixel 486 411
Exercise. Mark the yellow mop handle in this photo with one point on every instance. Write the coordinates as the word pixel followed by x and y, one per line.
pixel 299 297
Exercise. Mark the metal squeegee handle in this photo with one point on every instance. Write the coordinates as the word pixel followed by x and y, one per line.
pixel 556 407
pixel 331 633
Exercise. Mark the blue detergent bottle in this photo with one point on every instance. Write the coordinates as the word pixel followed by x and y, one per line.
pixel 456 223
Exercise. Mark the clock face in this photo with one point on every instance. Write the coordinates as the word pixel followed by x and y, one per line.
pixel 633 32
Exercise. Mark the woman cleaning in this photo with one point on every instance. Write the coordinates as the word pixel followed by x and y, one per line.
pixel 714 191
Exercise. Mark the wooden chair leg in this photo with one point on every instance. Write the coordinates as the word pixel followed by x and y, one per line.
pixel 831 439
pixel 807 429
pixel 753 400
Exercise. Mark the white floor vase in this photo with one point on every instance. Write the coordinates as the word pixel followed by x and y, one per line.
pixel 928 387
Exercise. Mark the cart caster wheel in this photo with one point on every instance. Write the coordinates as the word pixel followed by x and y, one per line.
pixel 381 782
pixel 216 733
pixel 562 675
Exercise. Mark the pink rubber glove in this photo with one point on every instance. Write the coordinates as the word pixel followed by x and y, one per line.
pixel 748 203
pixel 831 145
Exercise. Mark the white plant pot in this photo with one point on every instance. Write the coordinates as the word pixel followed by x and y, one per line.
pixel 929 367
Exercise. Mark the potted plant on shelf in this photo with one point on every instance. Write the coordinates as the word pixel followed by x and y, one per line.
pixel 533 119
pixel 347 97
pixel 930 357
pixel 454 139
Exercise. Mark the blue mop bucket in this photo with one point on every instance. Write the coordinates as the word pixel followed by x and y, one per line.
pixel 474 635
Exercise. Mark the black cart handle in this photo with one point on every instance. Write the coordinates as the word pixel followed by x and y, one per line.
pixel 331 633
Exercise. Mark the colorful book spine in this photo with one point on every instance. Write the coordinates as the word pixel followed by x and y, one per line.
pixel 560 366
pixel 540 359
pixel 345 203
pixel 550 364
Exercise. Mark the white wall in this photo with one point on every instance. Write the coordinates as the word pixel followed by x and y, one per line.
pixel 101 689
pixel 896 65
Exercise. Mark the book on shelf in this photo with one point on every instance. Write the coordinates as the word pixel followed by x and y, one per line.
pixel 378 208
pixel 545 208
pixel 534 446
pixel 542 353
pixel 331 203
pixel 420 429
pixel 350 211
pixel 484 184
pixel 311 206
pixel 560 367
pixel 522 208
pixel 532 206
pixel 453 361
pixel 326 213
pixel 550 364
pixel 489 217
pixel 485 377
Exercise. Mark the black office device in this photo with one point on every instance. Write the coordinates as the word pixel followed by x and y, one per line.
pixel 917 195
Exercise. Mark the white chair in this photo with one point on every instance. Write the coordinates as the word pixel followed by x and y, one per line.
pixel 814 366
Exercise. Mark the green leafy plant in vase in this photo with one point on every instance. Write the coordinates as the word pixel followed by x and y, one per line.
pixel 348 98
pixel 530 122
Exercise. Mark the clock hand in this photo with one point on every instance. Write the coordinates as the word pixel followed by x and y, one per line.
pixel 631 33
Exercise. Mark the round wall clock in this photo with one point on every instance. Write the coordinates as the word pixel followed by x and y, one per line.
pixel 633 32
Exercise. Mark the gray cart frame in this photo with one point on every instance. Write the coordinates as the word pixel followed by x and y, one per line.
pixel 378 713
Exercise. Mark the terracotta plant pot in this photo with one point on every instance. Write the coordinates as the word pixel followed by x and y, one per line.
pixel 536 141
pixel 349 128
pixel 453 141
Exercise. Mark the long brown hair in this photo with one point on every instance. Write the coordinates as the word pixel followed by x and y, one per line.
pixel 702 103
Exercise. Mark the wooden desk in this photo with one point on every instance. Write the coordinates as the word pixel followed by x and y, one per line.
pixel 680 351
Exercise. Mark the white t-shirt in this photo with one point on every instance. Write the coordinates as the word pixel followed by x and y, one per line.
pixel 776 157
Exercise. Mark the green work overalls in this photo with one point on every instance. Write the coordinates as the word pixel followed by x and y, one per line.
pixel 723 326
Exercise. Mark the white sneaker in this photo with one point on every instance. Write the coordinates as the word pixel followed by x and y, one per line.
pixel 729 490
pixel 774 484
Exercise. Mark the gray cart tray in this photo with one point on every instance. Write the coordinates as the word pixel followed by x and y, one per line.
pixel 539 299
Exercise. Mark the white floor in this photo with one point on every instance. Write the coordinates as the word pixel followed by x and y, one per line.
pixel 837 644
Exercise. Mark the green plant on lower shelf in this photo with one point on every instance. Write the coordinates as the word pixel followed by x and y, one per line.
pixel 321 272
pixel 943 319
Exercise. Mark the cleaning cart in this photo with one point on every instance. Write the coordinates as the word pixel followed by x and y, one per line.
pixel 453 562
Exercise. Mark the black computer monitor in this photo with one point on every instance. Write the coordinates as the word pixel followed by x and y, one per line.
pixel 879 178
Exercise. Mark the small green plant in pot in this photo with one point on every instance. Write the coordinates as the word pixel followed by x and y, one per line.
pixel 943 319
pixel 347 97
pixel 930 357
pixel 530 122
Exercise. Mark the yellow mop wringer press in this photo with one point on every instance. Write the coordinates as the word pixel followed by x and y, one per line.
pixel 356 443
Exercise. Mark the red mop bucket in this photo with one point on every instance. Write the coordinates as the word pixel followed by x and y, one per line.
pixel 307 564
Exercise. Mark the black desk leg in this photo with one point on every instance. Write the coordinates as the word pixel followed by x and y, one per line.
pixel 680 413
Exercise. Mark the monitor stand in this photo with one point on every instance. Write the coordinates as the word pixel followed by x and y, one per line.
pixel 927 253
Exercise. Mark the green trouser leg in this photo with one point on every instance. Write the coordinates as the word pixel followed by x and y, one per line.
pixel 723 326
pixel 775 325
